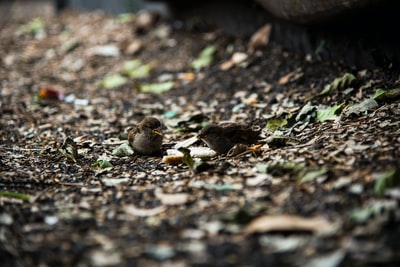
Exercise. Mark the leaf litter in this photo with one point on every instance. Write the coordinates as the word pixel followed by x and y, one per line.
pixel 325 172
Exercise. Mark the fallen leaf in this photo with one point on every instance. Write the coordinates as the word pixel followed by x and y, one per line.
pixel 113 81
pixel 339 84
pixel 195 165
pixel 35 27
pixel 364 106
pixel 156 88
pixel 15 195
pixel 381 94
pixel 123 150
pixel 186 76
pixel 102 163
pixel 305 110
pixel 260 38
pixel 376 208
pixel 187 159
pixel 291 77
pixel 311 174
pixel 204 59
pixel 126 17
pixel 386 180
pixel 329 113
pixel 134 69
pixel 133 47
pixel 378 93
pixel 236 59
pixel 275 124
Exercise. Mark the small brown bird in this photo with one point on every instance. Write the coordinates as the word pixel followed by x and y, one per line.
pixel 146 137
pixel 221 138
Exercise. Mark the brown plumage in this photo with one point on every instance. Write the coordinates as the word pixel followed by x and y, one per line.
pixel 221 138
pixel 146 137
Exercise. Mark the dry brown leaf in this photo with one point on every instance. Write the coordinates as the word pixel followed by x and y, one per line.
pixel 260 38
pixel 187 76
pixel 291 76
pixel 133 47
pixel 227 65
pixel 236 59
pixel 285 222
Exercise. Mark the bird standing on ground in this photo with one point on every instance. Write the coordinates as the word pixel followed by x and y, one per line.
pixel 221 138
pixel 146 137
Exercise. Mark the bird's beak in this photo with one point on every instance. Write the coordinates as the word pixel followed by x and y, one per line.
pixel 157 132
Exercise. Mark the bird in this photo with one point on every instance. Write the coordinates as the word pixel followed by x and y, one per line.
pixel 146 137
pixel 221 138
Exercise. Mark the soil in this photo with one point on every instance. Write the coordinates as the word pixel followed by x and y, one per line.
pixel 321 189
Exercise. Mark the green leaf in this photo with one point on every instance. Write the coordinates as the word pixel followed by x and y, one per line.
pixel 329 113
pixel 381 94
pixel 310 174
pixel 187 159
pixel 362 107
pixel 305 110
pixel 102 163
pixel 373 209
pixel 35 26
pixel 195 164
pixel 131 65
pixel 135 70
pixel 126 17
pixel 15 195
pixel 339 84
pixel 204 59
pixel 275 124
pixel 156 88
pixel 113 81
pixel 386 180
pixel 378 93
pixel 361 215
pixel 123 150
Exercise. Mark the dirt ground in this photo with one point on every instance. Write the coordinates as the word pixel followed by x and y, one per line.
pixel 321 189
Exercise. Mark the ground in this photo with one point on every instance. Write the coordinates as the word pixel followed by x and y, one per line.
pixel 320 189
